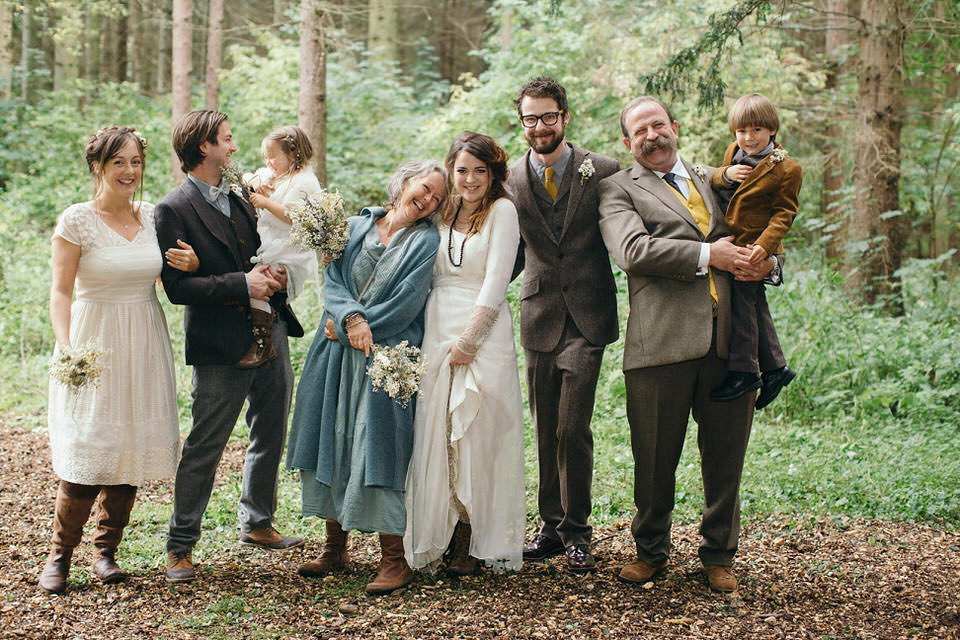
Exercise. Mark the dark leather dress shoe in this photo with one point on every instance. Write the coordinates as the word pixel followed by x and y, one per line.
pixel 772 383
pixel 579 559
pixel 735 385
pixel 541 548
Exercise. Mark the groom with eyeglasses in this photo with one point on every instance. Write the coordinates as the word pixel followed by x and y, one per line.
pixel 568 313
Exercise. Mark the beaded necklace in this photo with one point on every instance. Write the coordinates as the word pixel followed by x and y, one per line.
pixel 450 239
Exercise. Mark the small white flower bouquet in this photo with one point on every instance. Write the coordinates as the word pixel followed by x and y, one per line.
pixel 77 367
pixel 233 174
pixel 320 224
pixel 397 371
pixel 586 169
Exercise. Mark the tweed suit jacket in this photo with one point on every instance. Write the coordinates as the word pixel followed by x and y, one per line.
pixel 569 273
pixel 217 313
pixel 764 205
pixel 655 240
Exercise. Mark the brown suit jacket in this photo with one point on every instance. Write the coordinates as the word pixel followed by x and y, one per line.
pixel 764 205
pixel 656 241
pixel 566 274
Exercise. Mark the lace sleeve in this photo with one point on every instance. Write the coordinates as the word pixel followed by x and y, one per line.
pixel 481 321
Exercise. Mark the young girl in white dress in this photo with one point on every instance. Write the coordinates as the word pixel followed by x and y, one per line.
pixel 108 440
pixel 466 476
pixel 277 188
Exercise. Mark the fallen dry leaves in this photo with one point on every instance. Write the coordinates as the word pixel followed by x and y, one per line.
pixel 799 578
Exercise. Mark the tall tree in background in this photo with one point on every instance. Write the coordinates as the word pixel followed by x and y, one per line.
pixel 877 223
pixel 312 102
pixel 181 67
pixel 840 28
pixel 6 56
pixel 214 54
pixel 382 30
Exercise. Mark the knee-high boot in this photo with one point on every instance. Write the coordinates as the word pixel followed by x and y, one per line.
pixel 394 570
pixel 461 562
pixel 333 554
pixel 71 512
pixel 113 514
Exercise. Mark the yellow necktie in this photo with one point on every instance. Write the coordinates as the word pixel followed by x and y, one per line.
pixel 548 182
pixel 698 210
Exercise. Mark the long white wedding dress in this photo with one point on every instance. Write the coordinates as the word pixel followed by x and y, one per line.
pixel 124 431
pixel 468 429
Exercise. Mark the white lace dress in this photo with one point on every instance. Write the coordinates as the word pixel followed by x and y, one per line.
pixel 125 431
pixel 467 458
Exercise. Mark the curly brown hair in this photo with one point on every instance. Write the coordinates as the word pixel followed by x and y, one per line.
pixel 485 149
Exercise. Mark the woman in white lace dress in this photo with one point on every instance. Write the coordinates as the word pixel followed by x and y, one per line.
pixel 109 439
pixel 466 475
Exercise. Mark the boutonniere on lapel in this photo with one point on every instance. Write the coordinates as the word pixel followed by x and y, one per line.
pixel 234 177
pixel 586 169
pixel 777 155
pixel 700 171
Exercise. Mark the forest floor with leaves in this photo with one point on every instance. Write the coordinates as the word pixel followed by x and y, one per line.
pixel 800 577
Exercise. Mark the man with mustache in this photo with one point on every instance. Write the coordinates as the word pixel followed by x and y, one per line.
pixel 568 313
pixel 661 223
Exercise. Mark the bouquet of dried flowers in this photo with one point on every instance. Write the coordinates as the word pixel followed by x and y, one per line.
pixel 320 224
pixel 77 367
pixel 397 371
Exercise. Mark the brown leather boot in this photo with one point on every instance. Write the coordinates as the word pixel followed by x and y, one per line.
pixel 70 513
pixel 394 571
pixel 461 562
pixel 333 554
pixel 261 349
pixel 113 514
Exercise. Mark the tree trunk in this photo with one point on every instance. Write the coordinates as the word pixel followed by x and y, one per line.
pixel 136 43
pixel 6 57
pixel 123 33
pixel 66 37
pixel 214 54
pixel 164 55
pixel 91 46
pixel 181 67
pixel 312 104
pixel 382 30
pixel 26 51
pixel 877 225
pixel 836 163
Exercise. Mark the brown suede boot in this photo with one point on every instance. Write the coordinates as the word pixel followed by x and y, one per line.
pixel 333 554
pixel 113 514
pixel 261 349
pixel 394 571
pixel 461 562
pixel 71 512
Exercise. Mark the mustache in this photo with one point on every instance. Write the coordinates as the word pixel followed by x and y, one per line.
pixel 658 143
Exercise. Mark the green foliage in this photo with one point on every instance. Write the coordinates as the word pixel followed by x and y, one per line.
pixel 375 113
pixel 684 68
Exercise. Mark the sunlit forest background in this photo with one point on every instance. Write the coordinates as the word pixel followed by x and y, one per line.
pixel 869 100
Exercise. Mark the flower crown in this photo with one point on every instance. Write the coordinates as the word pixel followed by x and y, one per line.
pixel 104 130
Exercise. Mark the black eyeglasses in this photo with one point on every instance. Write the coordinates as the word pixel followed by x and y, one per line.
pixel 549 118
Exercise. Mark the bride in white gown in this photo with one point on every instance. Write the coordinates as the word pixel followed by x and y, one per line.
pixel 466 476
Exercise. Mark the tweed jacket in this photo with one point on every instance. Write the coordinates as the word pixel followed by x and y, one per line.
pixel 655 240
pixel 764 204
pixel 217 303
pixel 569 273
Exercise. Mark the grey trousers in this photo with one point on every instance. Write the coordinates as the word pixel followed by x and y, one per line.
pixel 562 385
pixel 219 392
pixel 659 402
